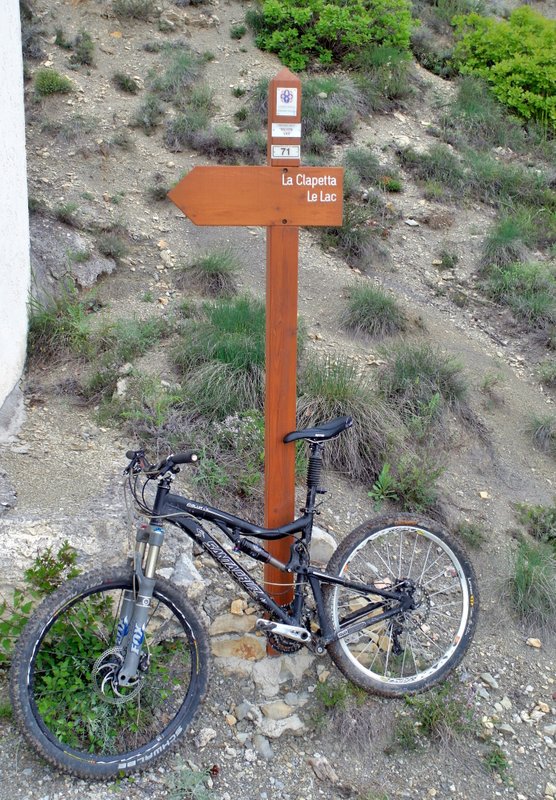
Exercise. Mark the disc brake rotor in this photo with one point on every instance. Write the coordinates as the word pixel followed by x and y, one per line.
pixel 105 678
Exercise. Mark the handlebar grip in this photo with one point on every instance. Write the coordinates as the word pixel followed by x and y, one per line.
pixel 187 457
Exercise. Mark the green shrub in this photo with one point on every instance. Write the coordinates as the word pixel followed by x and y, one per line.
pixel 547 373
pixel 507 242
pixel 237 31
pixel 183 128
pixel 354 239
pixel 542 430
pixel 439 165
pixel 180 76
pixel 328 30
pixel 112 245
pixel 383 76
pixel 149 114
pixel 411 484
pixel 517 57
pixel 48 81
pixel 47 572
pixel 373 312
pixel 127 339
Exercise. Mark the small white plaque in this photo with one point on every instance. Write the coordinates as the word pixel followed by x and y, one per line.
pixel 285 151
pixel 286 101
pixel 285 130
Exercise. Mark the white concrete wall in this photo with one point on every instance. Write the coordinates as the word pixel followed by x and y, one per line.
pixel 14 220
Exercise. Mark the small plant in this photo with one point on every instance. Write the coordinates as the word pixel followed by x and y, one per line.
pixel 57 327
pixel 126 83
pixel 496 760
pixel 543 432
pixel 127 339
pixel 355 238
pixel 222 356
pixel 528 289
pixel 61 41
pixel 188 784
pixel 448 259
pixel 439 165
pixel 540 521
pixel 213 272
pixel 158 189
pixel 372 312
pixel 415 486
pixel 83 49
pixel 336 694
pixel 384 488
pixel 334 388
pixel 473 535
pixel 180 76
pixel 532 582
pixel 439 714
pixel 112 245
pixel 47 572
pixel 547 373
pixel 238 31
pixel 239 91
pixel 48 81
pixel 507 242
pixel 134 9
pixel 149 114
pixel 67 213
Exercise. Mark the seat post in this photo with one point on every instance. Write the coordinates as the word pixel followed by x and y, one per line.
pixel 314 470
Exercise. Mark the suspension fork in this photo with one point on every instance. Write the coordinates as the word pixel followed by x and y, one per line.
pixel 136 605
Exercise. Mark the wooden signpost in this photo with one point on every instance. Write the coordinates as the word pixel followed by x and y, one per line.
pixel 280 196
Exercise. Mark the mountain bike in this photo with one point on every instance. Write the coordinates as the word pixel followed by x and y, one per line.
pixel 113 666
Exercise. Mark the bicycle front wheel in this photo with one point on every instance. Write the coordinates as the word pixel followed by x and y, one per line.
pixel 409 651
pixel 64 690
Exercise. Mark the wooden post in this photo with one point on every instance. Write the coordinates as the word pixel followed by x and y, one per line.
pixel 284 143
pixel 281 196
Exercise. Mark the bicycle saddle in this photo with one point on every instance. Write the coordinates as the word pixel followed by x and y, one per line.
pixel 322 432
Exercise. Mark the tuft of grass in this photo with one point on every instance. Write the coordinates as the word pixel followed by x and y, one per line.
pixel 134 9
pixel 58 327
pixel 532 582
pixel 61 41
pixel 221 357
pixel 333 388
pixel 470 533
pixel 363 162
pixel 528 289
pixel 383 77
pixel 418 380
pixel 438 166
pixel 67 213
pixel 475 118
pixel 540 521
pixel 239 91
pixel 507 242
pixel 48 81
pixel 184 782
pixel 125 82
pixel 439 715
pixel 149 114
pixel 213 272
pixel 127 339
pixel 355 239
pixel 373 312
pixel 83 49
pixel 113 246
pixel 493 181
pixel 547 373
pixel 238 31
pixel 183 128
pixel 180 76
pixel 542 430
pixel 158 189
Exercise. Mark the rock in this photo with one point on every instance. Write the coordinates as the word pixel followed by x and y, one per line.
pixel 323 769
pixel 274 728
pixel 506 703
pixel 231 623
pixel 532 642
pixel 272 672
pixel 276 710
pixel 544 707
pixel 550 790
pixel 8 497
pixel 487 678
pixel 263 747
pixel 323 544
pixel 550 730
pixel 238 606
pixel 204 736
pixel 171 20
pixel 412 223
pixel 247 647
pixel 506 729
pixel 186 574
pixel 250 711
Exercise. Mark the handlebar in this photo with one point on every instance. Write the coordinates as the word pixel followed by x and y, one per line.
pixel 138 463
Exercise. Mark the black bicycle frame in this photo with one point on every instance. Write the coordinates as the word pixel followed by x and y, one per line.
pixel 185 514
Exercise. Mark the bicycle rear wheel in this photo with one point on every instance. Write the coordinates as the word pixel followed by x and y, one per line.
pixel 63 690
pixel 412 650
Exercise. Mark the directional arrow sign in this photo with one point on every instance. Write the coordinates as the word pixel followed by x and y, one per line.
pixel 263 196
